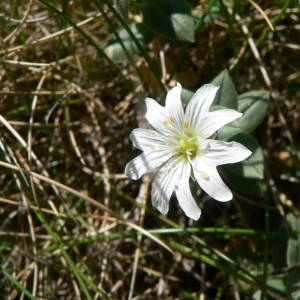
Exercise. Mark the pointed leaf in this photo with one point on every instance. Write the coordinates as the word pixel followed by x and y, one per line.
pixel 122 7
pixel 186 96
pixel 253 166
pixel 254 106
pixel 276 284
pixel 293 222
pixel 293 248
pixel 245 185
pixel 113 48
pixel 226 95
pixel 229 130
pixel 293 285
pixel 293 252
pixel 169 18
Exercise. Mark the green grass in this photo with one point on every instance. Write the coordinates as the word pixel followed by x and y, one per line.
pixel 73 226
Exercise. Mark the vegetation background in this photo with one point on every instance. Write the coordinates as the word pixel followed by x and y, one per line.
pixel 72 225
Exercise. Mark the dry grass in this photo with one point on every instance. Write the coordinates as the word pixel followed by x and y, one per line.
pixel 73 226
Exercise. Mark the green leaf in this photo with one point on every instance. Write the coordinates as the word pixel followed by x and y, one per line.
pixel 276 284
pixel 293 222
pixel 229 130
pixel 293 252
pixel 122 6
pixel 293 247
pixel 254 106
pixel 186 96
pixel 169 18
pixel 247 186
pixel 113 48
pixel 226 95
pixel 253 166
pixel 293 285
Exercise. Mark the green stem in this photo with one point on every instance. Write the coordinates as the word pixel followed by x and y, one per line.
pixel 135 40
pixel 185 48
pixel 85 35
pixel 266 256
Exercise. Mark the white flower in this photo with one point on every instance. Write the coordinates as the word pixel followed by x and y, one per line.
pixel 180 145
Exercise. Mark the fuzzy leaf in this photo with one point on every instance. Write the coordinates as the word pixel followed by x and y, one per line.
pixel 229 130
pixel 226 95
pixel 254 106
pixel 245 185
pixel 293 252
pixel 293 222
pixel 293 285
pixel 122 7
pixel 186 96
pixel 253 166
pixel 169 18
pixel 113 48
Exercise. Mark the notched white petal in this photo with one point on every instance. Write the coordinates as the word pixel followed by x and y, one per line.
pixel 145 139
pixel 217 152
pixel 147 161
pixel 174 105
pixel 213 121
pixel 158 117
pixel 214 185
pixel 184 195
pixel 164 185
pixel 200 103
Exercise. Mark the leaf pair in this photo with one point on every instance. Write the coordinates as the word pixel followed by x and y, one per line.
pixel 244 176
pixel 167 18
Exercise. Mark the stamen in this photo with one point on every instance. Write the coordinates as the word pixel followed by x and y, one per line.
pixel 204 175
pixel 188 151
pixel 172 119
pixel 186 124
pixel 166 123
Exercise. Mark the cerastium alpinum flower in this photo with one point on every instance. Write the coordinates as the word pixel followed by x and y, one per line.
pixel 181 144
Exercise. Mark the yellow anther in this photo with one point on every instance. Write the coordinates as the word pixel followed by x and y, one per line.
pixel 186 124
pixel 166 123
pixel 204 175
pixel 172 119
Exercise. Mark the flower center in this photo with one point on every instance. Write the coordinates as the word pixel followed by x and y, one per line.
pixel 188 145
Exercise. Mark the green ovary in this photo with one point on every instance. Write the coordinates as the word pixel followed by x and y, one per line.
pixel 188 146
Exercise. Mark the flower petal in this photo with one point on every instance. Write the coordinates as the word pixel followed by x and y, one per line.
pixel 200 104
pixel 147 140
pixel 219 152
pixel 210 181
pixel 184 195
pixel 174 104
pixel 213 121
pixel 158 117
pixel 164 185
pixel 145 162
